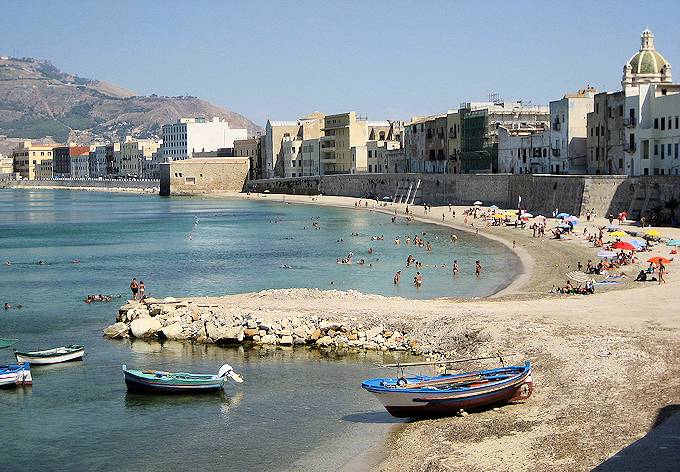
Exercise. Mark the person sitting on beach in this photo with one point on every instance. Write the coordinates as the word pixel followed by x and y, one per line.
pixel 641 277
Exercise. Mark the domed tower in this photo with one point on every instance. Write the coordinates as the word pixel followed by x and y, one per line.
pixel 648 66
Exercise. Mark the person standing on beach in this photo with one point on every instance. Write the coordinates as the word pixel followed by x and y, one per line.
pixel 397 277
pixel 134 288
pixel 662 269
pixel 478 268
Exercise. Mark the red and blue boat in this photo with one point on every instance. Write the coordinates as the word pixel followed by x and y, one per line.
pixel 449 393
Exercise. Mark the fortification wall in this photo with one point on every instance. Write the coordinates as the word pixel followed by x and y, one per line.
pixel 68 183
pixel 198 176
pixel 540 193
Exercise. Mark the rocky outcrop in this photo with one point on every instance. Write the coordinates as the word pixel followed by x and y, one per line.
pixel 184 320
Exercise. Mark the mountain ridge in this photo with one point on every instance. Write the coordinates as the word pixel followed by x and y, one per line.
pixel 38 100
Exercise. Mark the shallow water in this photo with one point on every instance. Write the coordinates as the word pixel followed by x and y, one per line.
pixel 293 404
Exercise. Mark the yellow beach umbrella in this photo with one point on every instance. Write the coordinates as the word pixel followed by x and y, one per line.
pixel 498 215
pixel 653 232
pixel 511 211
pixel 617 234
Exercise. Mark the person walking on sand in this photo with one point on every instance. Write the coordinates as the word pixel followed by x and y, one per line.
pixel 397 277
pixel 141 290
pixel 134 288
pixel 478 268
pixel 662 269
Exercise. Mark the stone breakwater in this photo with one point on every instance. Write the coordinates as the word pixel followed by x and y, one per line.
pixel 187 320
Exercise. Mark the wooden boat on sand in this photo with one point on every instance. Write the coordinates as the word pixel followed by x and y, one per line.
pixel 178 382
pixel 15 374
pixel 51 356
pixel 448 394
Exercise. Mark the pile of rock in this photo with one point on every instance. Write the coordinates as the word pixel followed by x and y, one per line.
pixel 174 319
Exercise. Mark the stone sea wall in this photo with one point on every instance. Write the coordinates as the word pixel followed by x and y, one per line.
pixel 85 184
pixel 185 320
pixel 540 193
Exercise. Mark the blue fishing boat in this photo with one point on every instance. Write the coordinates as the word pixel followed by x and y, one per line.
pixel 448 394
pixel 15 374
pixel 155 381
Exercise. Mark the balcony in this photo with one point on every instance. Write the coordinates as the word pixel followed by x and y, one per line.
pixel 556 152
pixel 629 147
pixel 630 122
pixel 556 126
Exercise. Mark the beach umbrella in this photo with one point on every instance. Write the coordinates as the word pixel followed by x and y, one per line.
pixel 562 215
pixel 493 207
pixel 266 191
pixel 564 226
pixel 498 215
pixel 477 203
pixel 386 198
pixel 623 245
pixel 659 259
pixel 612 227
pixel 578 276
pixel 572 219
pixel 673 242
pixel 653 232
pixel 606 254
pixel 540 217
pixel 527 215
pixel 617 234
pixel 638 243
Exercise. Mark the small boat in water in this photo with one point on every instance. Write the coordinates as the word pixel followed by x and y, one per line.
pixel 51 356
pixel 15 374
pixel 178 382
pixel 448 394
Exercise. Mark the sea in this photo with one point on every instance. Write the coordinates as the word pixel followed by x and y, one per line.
pixel 299 409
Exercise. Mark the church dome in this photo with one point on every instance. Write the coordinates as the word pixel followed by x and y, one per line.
pixel 647 65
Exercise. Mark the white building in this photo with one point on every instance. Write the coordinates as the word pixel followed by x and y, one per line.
pixel 97 158
pixel 134 155
pixel 374 158
pixel 80 165
pixel 569 131
pixel 524 151
pixel 189 135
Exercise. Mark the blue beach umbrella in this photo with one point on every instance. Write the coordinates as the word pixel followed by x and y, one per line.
pixel 638 243
pixel 673 242
pixel 606 254
pixel 562 215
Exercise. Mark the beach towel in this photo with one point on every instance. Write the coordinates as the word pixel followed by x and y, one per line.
pixel 607 282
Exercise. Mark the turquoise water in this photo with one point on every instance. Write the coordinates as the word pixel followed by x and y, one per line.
pixel 294 403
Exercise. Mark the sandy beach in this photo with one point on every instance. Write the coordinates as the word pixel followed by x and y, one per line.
pixel 605 364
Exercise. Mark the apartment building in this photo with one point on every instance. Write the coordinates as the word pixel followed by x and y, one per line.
pixel 524 150
pixel 276 132
pixel 27 156
pixel 252 149
pixel 605 152
pixel 426 143
pixel 70 159
pixel 569 131
pixel 136 155
pixel 189 135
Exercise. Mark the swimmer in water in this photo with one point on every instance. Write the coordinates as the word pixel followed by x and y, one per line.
pixel 455 267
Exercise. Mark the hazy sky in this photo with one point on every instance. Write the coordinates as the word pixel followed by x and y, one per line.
pixel 388 60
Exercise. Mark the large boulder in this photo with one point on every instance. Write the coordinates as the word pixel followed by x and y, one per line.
pixel 286 341
pixel 117 330
pixel 173 331
pixel 324 341
pixel 225 334
pixel 330 325
pixel 145 327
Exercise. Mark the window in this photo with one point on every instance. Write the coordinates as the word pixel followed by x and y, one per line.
pixel 656 123
pixel 620 110
pixel 597 108
pixel 676 150
pixel 669 150
pixel 646 172
pixel 677 122
pixel 663 153
pixel 656 149
pixel 663 123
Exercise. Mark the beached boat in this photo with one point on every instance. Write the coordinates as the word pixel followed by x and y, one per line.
pixel 51 356
pixel 178 382
pixel 15 374
pixel 448 394
pixel 4 343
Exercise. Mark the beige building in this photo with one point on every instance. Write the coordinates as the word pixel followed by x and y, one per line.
pixel 27 156
pixel 309 127
pixel 43 169
pixel 375 157
pixel 134 154
pixel 252 149
pixel 426 143
pixel 453 143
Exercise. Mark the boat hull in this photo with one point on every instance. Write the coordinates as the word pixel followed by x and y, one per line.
pixel 56 359
pixel 138 384
pixel 415 402
pixel 13 375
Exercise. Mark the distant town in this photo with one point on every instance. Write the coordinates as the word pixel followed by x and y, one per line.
pixel 634 131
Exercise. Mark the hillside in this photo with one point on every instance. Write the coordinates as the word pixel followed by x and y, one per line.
pixel 38 100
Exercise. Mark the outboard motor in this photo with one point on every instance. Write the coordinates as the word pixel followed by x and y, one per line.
pixel 228 371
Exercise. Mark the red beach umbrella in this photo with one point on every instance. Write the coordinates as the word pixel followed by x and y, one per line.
pixel 659 259
pixel 623 245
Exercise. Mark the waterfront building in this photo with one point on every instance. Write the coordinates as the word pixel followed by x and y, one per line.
pixel 251 148
pixel 80 163
pixel 453 141
pixel 7 168
pixel 301 157
pixel 381 156
pixel 97 161
pixel 43 170
pixel 426 143
pixel 134 154
pixel 27 156
pixel 479 124
pixel 189 135
pixel 62 166
pixel 569 131
pixel 524 150
pixel 636 131
pixel 151 167
pixel 276 132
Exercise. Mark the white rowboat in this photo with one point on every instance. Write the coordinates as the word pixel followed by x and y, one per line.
pixel 51 356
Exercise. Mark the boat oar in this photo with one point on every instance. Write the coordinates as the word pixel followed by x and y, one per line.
pixel 452 361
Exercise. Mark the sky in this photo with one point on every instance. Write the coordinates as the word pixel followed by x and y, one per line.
pixel 383 59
